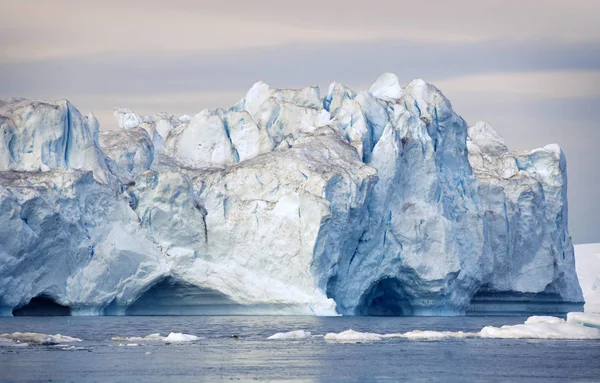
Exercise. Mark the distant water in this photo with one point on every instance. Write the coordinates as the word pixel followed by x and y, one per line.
pixel 253 357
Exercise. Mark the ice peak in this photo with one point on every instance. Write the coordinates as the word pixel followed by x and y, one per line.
pixel 386 87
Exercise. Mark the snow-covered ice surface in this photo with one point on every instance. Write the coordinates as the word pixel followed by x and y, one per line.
pixel 216 356
pixel 378 202
pixel 588 270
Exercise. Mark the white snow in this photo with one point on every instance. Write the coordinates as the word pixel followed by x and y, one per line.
pixel 584 319
pixel 297 334
pixel 588 271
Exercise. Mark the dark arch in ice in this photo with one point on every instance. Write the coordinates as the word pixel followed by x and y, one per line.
pixel 384 298
pixel 42 306
pixel 173 297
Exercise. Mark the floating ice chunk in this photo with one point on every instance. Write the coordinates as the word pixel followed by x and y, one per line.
pixel 132 344
pixel 298 334
pixel 541 331
pixel 172 337
pixel 584 319
pixel 351 336
pixel 39 338
pixel 544 319
pixel 149 338
pixel 179 337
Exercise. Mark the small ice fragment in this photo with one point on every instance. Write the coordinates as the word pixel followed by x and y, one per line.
pixel 132 344
pixel 179 337
pixel 298 334
pixel 351 336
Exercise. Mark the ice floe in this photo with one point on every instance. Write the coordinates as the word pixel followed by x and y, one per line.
pixel 179 337
pixel 541 331
pixel 298 334
pixel 351 336
pixel 37 338
pixel 156 337
pixel 578 326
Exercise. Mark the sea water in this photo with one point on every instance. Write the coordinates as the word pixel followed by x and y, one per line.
pixel 217 356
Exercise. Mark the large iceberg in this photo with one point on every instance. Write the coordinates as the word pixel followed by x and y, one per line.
pixel 381 202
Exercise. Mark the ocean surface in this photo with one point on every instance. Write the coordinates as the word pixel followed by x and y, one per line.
pixel 216 356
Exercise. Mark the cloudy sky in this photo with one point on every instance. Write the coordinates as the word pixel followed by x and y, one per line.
pixel 530 68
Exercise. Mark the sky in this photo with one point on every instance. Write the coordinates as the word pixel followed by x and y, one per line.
pixel 529 68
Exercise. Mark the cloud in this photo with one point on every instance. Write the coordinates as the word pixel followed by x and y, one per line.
pixel 39 30
pixel 355 64
pixel 529 85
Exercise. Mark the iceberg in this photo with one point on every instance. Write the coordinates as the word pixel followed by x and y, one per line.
pixel 587 259
pixel 378 202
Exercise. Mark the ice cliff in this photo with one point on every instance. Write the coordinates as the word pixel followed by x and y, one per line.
pixel 382 202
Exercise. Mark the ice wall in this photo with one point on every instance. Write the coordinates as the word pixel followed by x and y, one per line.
pixel 381 202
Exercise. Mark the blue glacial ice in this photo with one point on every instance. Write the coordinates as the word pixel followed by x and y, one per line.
pixel 380 202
